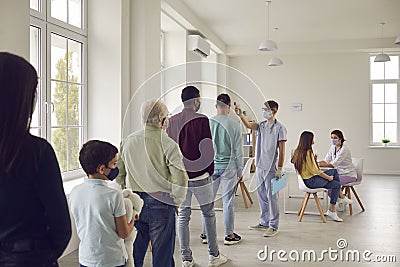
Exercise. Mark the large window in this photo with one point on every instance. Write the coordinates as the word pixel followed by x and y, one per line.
pixel 58 43
pixel 385 100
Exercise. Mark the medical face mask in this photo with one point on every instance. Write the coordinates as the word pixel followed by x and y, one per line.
pixel 335 142
pixel 113 174
pixel 198 107
pixel 267 114
pixel 33 110
pixel 35 98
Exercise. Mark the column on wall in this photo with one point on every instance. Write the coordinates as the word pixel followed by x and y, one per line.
pixel 174 74
pixel 209 74
pixel 141 58
pixel 222 59
pixel 104 70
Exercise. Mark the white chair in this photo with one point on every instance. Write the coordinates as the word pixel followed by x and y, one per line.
pixel 309 191
pixel 241 182
pixel 358 163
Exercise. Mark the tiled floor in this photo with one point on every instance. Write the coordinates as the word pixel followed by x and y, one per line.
pixel 377 230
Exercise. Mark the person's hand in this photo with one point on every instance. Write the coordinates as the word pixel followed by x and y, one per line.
pixel 176 210
pixel 238 110
pixel 330 178
pixel 278 173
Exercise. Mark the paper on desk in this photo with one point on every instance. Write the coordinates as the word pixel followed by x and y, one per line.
pixel 278 184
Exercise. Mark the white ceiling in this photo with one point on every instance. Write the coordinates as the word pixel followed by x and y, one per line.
pixel 242 23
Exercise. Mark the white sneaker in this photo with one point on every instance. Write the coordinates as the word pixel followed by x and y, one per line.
pixel 203 238
pixel 188 263
pixel 345 201
pixel 270 232
pixel 258 227
pixel 333 215
pixel 214 261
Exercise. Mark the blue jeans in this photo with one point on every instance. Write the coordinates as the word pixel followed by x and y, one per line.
pixel 344 179
pixel 156 224
pixel 227 178
pixel 318 182
pixel 202 190
pixel 269 203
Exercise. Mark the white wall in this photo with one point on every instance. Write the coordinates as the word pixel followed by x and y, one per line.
pixel 141 58
pixel 104 71
pixel 209 90
pixel 74 241
pixel 335 92
pixel 124 51
pixel 175 56
pixel 14 27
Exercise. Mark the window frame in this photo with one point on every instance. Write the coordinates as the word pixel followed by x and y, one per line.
pixel 35 22
pixel 384 81
pixel 47 26
pixel 82 31
pixel 162 49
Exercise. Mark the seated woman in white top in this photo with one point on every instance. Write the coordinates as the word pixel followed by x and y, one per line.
pixel 339 157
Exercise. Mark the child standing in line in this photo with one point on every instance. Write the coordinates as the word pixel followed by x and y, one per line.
pixel 99 210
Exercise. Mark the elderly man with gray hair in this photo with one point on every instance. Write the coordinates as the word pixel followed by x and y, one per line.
pixel 150 164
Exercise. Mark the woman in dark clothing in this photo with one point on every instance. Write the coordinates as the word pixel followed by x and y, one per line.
pixel 35 225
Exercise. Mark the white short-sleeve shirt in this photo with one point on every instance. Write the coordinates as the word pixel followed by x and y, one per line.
pixel 94 206
pixel 267 144
pixel 341 160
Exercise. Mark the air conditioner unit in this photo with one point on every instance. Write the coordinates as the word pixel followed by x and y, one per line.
pixel 198 45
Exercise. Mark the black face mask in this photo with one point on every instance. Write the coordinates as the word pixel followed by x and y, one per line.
pixel 197 107
pixel 113 174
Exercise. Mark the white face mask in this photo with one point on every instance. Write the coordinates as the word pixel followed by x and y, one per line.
pixel 267 114
pixel 35 98
pixel 33 110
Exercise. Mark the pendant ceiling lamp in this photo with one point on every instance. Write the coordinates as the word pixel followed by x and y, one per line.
pixel 275 61
pixel 382 57
pixel 397 40
pixel 268 45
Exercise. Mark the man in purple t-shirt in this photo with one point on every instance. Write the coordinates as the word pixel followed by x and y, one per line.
pixel 191 131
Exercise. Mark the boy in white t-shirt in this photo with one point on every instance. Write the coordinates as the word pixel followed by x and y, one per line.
pixel 98 210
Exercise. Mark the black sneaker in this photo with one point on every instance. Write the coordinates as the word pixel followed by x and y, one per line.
pixel 232 240
pixel 203 238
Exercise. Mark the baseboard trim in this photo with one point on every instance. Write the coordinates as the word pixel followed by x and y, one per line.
pixel 380 172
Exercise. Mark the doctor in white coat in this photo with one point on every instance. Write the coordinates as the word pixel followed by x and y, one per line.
pixel 339 157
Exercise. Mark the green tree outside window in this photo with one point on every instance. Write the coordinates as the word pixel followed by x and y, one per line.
pixel 66 141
